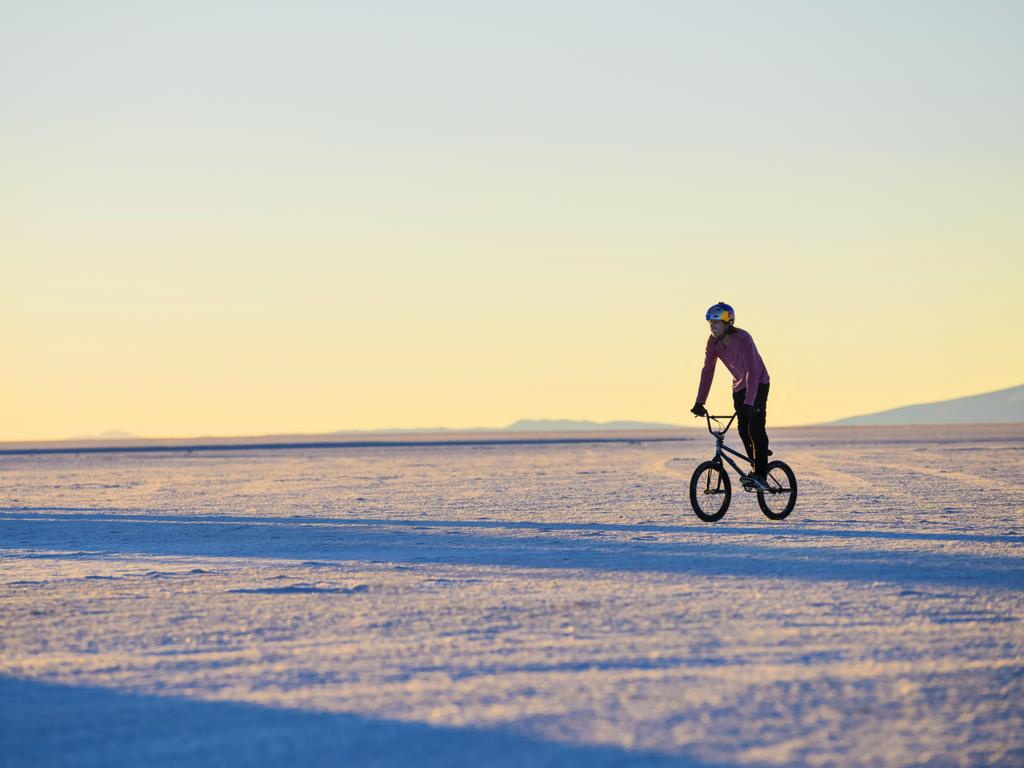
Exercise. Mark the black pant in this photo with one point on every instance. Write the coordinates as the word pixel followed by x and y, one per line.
pixel 752 431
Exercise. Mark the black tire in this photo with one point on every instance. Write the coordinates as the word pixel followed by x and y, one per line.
pixel 780 498
pixel 710 492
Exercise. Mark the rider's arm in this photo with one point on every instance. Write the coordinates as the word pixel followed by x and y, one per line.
pixel 754 368
pixel 707 373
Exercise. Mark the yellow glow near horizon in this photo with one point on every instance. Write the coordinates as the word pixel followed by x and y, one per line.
pixel 231 265
pixel 190 345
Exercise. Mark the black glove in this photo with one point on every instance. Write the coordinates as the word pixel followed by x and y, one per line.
pixel 745 411
pixel 699 409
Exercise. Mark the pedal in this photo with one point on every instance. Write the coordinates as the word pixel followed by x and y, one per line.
pixel 749 485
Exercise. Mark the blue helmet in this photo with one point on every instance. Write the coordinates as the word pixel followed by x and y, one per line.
pixel 721 311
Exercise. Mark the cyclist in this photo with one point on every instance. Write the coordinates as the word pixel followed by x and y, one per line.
pixel 735 347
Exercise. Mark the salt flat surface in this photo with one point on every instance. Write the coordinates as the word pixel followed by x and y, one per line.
pixel 515 605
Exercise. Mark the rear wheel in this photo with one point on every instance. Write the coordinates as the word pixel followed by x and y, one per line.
pixel 780 498
pixel 710 491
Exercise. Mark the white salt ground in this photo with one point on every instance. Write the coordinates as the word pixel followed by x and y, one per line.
pixel 532 605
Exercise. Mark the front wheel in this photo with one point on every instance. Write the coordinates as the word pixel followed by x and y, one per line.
pixel 780 498
pixel 710 491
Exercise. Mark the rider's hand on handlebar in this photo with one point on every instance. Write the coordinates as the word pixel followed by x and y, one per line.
pixel 699 409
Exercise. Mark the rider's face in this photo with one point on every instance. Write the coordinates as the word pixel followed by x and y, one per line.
pixel 717 328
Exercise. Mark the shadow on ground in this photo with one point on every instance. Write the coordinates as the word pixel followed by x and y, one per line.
pixel 46 725
pixel 760 552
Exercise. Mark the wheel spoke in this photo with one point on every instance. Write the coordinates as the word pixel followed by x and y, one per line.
pixel 708 502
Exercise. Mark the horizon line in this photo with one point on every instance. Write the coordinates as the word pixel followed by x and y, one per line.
pixel 583 426
pixel 538 437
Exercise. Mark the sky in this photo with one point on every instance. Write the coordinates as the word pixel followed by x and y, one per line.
pixel 240 218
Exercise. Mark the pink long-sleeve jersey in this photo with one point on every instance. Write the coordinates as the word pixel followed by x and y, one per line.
pixel 742 360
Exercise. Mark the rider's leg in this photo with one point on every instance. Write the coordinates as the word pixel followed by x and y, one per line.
pixel 741 422
pixel 758 434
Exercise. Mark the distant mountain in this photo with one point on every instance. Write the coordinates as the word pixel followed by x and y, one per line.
pixel 1001 407
pixel 402 431
pixel 567 425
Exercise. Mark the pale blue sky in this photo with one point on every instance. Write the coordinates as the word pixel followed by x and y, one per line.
pixel 866 76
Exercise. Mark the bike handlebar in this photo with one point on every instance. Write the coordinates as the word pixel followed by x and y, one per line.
pixel 719 420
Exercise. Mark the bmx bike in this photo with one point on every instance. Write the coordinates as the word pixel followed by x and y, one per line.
pixel 711 489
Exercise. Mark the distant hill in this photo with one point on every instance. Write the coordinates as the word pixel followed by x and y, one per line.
pixel 1005 406
pixel 568 425
pixel 405 431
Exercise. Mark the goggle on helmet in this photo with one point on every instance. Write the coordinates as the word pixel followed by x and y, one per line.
pixel 721 311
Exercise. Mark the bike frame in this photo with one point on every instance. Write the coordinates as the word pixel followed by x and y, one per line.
pixel 721 449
